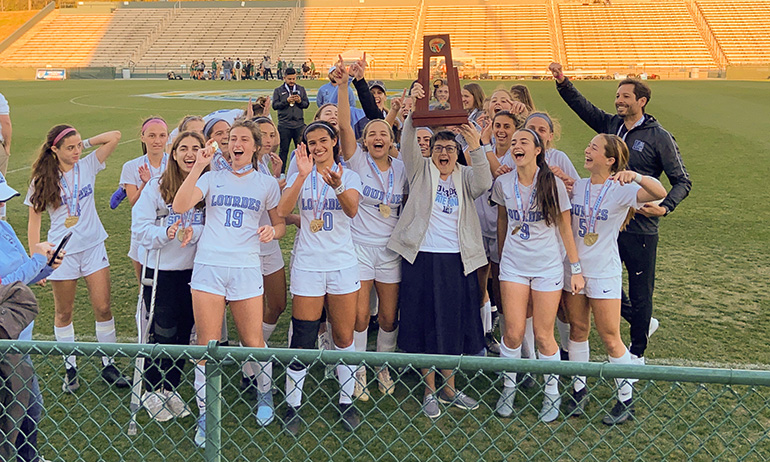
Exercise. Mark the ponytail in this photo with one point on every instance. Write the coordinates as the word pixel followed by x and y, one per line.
pixel 546 195
pixel 45 171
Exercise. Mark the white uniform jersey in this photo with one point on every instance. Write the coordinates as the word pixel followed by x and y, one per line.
pixel 601 260
pixel 443 234
pixel 487 210
pixel 130 172
pixel 234 207
pixel 267 248
pixel 330 249
pixel 535 249
pixel 152 235
pixel 88 231
pixel 369 226
pixel 556 158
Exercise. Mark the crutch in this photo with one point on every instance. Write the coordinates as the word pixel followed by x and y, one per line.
pixel 143 324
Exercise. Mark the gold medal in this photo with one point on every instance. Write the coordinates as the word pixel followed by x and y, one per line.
pixel 385 210
pixel 590 238
pixel 515 230
pixel 180 234
pixel 71 221
pixel 316 225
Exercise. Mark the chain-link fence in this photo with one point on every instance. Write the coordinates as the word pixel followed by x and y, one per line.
pixel 680 413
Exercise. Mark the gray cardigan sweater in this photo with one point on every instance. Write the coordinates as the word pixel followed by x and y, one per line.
pixel 423 177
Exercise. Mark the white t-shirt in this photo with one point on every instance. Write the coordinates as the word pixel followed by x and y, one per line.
pixel 369 226
pixel 130 172
pixel 267 248
pixel 601 260
pixel 553 157
pixel 88 231
pixel 535 250
pixel 443 235
pixel 234 206
pixel 330 249
pixel 153 236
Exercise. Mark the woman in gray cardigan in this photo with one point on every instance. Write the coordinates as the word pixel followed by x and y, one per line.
pixel 439 237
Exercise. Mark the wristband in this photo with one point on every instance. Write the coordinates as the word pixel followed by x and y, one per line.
pixel 87 143
pixel 638 178
pixel 339 189
pixel 576 268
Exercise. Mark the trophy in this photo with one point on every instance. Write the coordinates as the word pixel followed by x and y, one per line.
pixel 437 46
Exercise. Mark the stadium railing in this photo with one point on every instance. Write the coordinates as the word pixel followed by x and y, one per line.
pixel 680 412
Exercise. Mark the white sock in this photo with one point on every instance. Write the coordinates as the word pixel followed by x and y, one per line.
pixel 360 340
pixel 579 352
pixel 290 334
pixel 486 316
pixel 66 334
pixel 345 376
pixel 374 303
pixel 551 381
pixel 509 378
pixel 264 372
pixel 386 341
pixel 224 337
pixel 105 333
pixel 295 380
pixel 267 330
pixel 528 346
pixel 200 387
pixel 563 328
pixel 625 388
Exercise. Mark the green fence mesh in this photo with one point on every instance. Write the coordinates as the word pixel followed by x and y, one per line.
pixel 681 413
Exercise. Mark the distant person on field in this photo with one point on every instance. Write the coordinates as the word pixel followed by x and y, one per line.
pixel 290 101
pixel 238 69
pixel 329 91
pixel 215 74
pixel 5 141
pixel 227 68
pixel 652 151
pixel 279 69
pixel 267 65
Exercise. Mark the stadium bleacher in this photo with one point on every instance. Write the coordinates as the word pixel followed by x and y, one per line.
pixel 742 29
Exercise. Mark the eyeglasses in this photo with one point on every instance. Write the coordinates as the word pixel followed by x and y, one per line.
pixel 448 149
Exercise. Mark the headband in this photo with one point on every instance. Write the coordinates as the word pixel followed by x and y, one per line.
pixel 538 141
pixel 210 125
pixel 542 116
pixel 154 120
pixel 426 129
pixel 321 124
pixel 62 134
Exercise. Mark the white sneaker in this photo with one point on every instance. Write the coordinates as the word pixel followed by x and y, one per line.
pixel 155 404
pixel 360 392
pixel 654 324
pixel 176 404
pixel 386 384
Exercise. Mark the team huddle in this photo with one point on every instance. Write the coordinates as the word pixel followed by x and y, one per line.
pixel 442 232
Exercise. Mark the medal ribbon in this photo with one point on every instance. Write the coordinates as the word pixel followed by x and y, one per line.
pixel 519 205
pixel 594 213
pixel 376 171
pixel 69 199
pixel 318 209
pixel 163 163
pixel 220 163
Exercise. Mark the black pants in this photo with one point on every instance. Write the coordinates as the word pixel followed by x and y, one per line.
pixel 270 73
pixel 638 252
pixel 287 136
pixel 172 324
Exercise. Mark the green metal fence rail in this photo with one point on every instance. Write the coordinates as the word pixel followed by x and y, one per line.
pixel 681 413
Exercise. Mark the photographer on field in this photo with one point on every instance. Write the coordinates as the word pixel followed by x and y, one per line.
pixel 290 101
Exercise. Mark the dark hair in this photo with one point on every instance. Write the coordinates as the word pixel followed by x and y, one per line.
pixel 320 110
pixel 173 177
pixel 45 171
pixel 258 106
pixel 290 71
pixel 210 126
pixel 518 120
pixel 641 89
pixel 446 135
pixel 521 94
pixel 478 94
pixel 144 122
pixel 546 196
pixel 331 131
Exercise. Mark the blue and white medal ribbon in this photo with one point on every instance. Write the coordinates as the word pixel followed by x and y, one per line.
pixel 70 198
pixel 317 224
pixel 591 236
pixel 519 206
pixel 384 207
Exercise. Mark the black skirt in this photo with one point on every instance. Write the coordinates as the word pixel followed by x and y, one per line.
pixel 439 306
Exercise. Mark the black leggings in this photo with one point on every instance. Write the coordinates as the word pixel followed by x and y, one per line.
pixel 172 324
pixel 638 252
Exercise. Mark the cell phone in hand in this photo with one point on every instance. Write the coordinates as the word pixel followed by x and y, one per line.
pixel 59 248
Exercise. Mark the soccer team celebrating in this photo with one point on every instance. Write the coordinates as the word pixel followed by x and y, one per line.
pixel 441 231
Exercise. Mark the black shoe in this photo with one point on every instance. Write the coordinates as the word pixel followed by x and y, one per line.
pixel 374 324
pixel 350 418
pixel 493 346
pixel 576 404
pixel 292 423
pixel 71 382
pixel 249 385
pixel 621 411
pixel 564 354
pixel 112 375
pixel 527 382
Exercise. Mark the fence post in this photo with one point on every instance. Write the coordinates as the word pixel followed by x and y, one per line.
pixel 213 451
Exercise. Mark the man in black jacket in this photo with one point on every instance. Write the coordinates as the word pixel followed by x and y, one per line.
pixel 290 101
pixel 652 151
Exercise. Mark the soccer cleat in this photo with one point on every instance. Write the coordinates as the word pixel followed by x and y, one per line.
pixel 550 410
pixel 430 406
pixel 386 385
pixel 265 409
pixel 155 404
pixel 112 375
pixel 621 412
pixel 360 392
pixel 349 416
pixel 526 382
pixel 460 400
pixel 292 423
pixel 563 354
pixel 249 385
pixel 176 404
pixel 117 197
pixel 493 346
pixel 505 404
pixel 576 405
pixel 200 432
pixel 71 382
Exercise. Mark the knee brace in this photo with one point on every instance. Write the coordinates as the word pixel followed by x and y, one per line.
pixel 304 337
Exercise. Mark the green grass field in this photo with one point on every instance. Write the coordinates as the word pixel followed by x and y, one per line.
pixel 712 293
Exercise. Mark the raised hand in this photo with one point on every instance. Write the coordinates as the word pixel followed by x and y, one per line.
pixel 557 71
pixel 304 162
pixel 144 173
pixel 276 163
pixel 471 135
pixel 624 177
pixel 249 110
pixel 518 107
pixel 204 155
pixel 266 110
pixel 332 178
pixel 358 68
pixel 502 170
pixel 486 130
pixel 417 91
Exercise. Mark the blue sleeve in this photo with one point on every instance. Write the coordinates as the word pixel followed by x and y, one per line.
pixel 28 272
